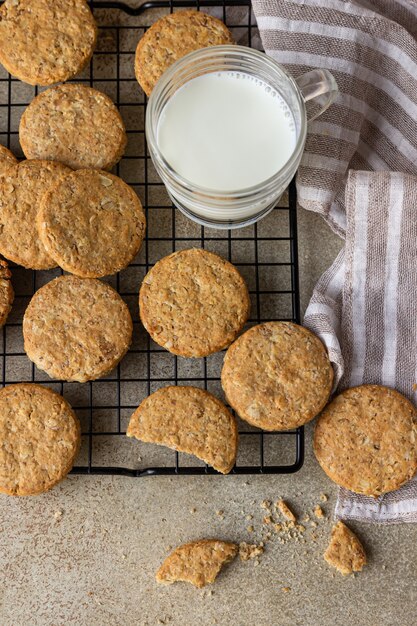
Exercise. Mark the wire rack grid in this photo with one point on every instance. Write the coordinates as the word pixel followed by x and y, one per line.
pixel 265 254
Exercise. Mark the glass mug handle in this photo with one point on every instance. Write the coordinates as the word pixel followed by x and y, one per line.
pixel 318 89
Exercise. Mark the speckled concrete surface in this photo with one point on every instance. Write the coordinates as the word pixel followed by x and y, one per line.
pixel 86 553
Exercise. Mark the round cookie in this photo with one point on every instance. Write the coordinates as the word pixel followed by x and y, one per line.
pixel 6 292
pixel 277 376
pixel 76 329
pixel 365 440
pixel 44 42
pixel 7 159
pixel 76 125
pixel 171 38
pixel 39 439
pixel 21 190
pixel 193 303
pixel 91 223
pixel 190 420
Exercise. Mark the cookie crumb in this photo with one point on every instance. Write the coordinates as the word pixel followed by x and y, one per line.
pixel 313 524
pixel 278 528
pixel 318 512
pixel 267 519
pixel 250 529
pixel 220 513
pixel 282 506
pixel 286 589
pixel 249 517
pixel 266 504
pixel 249 551
pixel 58 514
pixel 193 510
pixel 323 497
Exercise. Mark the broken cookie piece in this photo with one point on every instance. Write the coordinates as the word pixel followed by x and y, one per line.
pixel 345 552
pixel 197 563
pixel 285 510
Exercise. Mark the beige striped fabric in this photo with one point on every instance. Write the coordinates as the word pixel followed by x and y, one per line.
pixel 360 172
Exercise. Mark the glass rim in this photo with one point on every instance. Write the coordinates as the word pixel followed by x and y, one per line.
pixel 214 52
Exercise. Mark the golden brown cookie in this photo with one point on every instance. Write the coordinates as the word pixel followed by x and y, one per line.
pixel 7 159
pixel 366 440
pixel 171 38
pixel 22 188
pixel 91 223
pixel 76 329
pixel 74 124
pixel 197 563
pixel 39 439
pixel 44 42
pixel 345 552
pixel 277 376
pixel 6 292
pixel 193 303
pixel 189 420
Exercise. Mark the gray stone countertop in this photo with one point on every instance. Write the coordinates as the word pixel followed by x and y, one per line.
pixel 86 553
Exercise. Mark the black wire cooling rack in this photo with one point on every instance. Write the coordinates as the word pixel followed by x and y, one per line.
pixel 266 255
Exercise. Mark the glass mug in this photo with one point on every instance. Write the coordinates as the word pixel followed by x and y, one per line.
pixel 307 96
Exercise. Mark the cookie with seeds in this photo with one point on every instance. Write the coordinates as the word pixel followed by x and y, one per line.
pixel 39 439
pixel 193 303
pixel 22 188
pixel 74 124
pixel 91 223
pixel 7 158
pixel 345 552
pixel 189 420
pixel 277 376
pixel 76 329
pixel 365 440
pixel 171 38
pixel 44 42
pixel 198 563
pixel 6 292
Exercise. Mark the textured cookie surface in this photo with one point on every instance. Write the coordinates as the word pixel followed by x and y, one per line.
pixel 44 41
pixel 366 440
pixel 197 563
pixel 193 303
pixel 92 223
pixel 171 38
pixel 74 124
pixel 6 292
pixel 76 329
pixel 345 552
pixel 22 188
pixel 39 439
pixel 7 159
pixel 277 376
pixel 189 420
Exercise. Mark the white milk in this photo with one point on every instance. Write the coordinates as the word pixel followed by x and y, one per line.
pixel 226 131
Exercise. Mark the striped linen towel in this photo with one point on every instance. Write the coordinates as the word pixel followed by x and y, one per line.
pixel 359 171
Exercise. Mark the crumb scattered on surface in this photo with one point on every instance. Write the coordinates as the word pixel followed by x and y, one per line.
pixel 193 510
pixel 220 513
pixel 318 512
pixel 278 527
pixel 323 497
pixel 266 504
pixel 267 519
pixel 285 510
pixel 249 517
pixel 58 515
pixel 249 551
pixel 286 589
pixel 313 524
pixel 250 529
